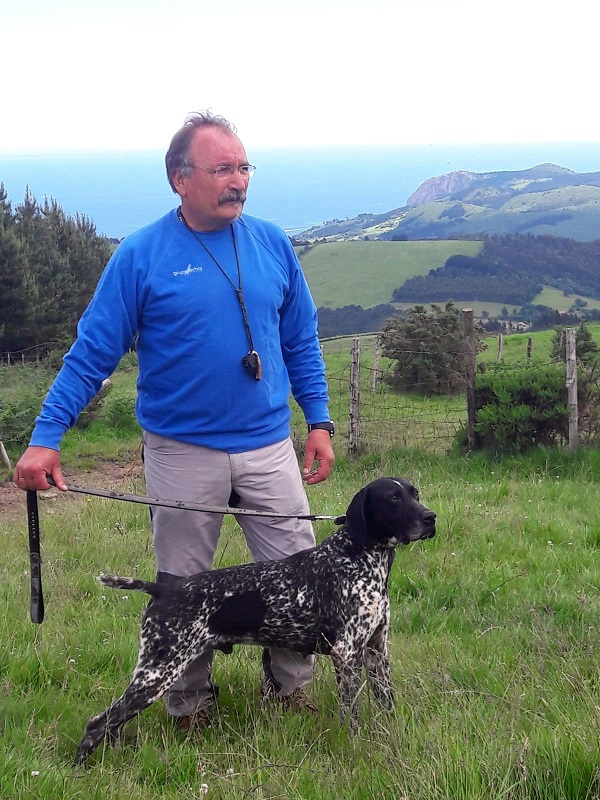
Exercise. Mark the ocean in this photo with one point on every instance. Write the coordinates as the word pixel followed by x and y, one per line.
pixel 294 187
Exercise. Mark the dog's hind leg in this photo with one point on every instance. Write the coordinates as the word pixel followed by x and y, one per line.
pixel 157 669
pixel 143 690
pixel 377 665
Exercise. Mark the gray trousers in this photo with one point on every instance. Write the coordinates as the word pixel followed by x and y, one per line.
pixel 266 479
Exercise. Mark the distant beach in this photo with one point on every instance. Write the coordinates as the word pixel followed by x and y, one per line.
pixel 294 187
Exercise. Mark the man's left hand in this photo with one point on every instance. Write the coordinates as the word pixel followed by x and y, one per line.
pixel 319 449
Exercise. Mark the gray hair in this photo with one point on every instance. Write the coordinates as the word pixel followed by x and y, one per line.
pixel 177 154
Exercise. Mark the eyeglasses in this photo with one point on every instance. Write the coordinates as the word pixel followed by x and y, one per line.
pixel 222 172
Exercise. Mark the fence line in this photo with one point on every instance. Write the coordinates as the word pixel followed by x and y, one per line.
pixel 379 418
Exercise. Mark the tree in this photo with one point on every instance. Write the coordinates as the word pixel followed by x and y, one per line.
pixel 15 297
pixel 428 350
pixel 586 347
pixel 50 263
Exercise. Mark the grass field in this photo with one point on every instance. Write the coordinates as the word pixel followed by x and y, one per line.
pixel 494 640
pixel 493 645
pixel 553 298
pixel 366 273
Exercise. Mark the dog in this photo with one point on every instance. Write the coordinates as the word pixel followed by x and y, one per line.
pixel 331 599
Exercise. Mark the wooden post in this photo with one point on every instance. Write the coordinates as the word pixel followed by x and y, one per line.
pixel 529 346
pixel 469 344
pixel 4 455
pixel 571 351
pixel 354 413
pixel 500 347
pixel 375 371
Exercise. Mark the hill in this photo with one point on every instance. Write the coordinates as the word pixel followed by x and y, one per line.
pixel 366 273
pixel 511 269
pixel 545 199
pixel 536 280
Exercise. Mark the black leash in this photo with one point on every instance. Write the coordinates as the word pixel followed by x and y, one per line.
pixel 36 605
pixel 33 522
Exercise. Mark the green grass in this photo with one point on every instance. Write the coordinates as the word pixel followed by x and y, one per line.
pixel 493 645
pixel 514 349
pixel 553 298
pixel 366 273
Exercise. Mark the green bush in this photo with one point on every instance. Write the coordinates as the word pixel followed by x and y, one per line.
pixel 517 409
pixel 428 348
pixel 119 411
pixel 22 390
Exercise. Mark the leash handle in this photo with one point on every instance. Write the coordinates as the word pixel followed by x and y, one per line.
pixel 36 605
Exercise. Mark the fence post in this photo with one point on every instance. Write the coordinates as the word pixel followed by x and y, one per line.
pixel 571 353
pixel 469 344
pixel 354 413
pixel 500 347
pixel 4 455
pixel 376 355
pixel 529 346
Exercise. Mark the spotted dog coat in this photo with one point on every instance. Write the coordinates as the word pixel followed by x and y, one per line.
pixel 330 599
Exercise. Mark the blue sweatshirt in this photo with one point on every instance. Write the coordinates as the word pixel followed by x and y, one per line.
pixel 162 286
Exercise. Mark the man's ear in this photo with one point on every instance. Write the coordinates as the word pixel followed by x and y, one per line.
pixel 356 517
pixel 179 182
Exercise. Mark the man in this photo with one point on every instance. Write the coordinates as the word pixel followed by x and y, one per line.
pixel 225 326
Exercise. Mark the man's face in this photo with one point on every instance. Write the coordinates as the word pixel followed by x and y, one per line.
pixel 211 202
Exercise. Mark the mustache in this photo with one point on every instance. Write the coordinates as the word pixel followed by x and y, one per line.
pixel 233 196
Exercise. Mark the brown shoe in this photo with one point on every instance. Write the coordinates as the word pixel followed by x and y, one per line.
pixel 198 721
pixel 297 701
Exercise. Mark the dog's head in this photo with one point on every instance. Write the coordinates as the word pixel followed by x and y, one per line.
pixel 387 512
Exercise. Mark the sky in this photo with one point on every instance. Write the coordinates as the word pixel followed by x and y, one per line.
pixel 123 74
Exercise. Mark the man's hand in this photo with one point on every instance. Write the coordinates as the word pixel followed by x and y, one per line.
pixel 34 467
pixel 318 448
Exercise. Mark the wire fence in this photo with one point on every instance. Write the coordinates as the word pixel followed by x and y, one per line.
pixel 371 416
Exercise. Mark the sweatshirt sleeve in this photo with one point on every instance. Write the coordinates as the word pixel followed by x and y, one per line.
pixel 104 333
pixel 301 348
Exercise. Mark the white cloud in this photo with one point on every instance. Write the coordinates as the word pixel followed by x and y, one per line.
pixel 125 75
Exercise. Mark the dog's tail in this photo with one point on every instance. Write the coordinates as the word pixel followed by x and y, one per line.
pixel 132 584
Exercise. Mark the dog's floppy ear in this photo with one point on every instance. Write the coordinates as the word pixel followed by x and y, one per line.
pixel 357 516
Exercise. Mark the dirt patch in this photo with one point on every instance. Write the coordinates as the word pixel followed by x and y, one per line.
pixel 108 475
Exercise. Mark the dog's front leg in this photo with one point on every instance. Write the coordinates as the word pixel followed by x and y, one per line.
pixel 347 663
pixel 377 665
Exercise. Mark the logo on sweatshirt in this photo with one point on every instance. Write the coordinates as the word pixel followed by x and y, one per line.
pixel 188 270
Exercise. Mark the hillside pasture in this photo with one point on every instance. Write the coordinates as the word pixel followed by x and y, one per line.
pixel 493 647
pixel 554 298
pixel 366 273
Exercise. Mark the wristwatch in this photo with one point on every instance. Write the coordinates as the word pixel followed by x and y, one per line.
pixel 323 426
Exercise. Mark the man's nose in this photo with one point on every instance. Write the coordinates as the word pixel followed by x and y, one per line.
pixel 237 181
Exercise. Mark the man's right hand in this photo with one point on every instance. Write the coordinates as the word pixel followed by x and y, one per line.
pixel 34 467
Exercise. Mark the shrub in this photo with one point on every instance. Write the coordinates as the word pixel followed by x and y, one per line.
pixel 22 390
pixel 119 411
pixel 517 409
pixel 428 348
